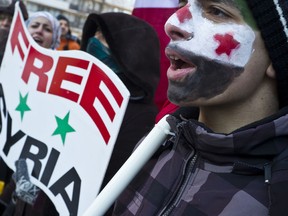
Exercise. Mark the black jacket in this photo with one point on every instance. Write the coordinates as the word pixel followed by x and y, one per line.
pixel 202 173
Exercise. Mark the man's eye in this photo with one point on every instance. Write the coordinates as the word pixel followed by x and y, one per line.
pixel 214 11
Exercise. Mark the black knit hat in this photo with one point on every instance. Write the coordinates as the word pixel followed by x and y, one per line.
pixel 272 20
pixel 10 9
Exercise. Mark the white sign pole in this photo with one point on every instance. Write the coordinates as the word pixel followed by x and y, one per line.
pixel 129 169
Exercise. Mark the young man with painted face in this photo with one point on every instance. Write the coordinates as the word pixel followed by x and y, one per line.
pixel 233 158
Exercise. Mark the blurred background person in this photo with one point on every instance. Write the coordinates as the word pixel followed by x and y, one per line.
pixel 130 47
pixel 7 12
pixel 44 29
pixel 68 40
pixel 6 16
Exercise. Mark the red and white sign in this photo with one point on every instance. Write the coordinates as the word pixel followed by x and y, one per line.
pixel 61 111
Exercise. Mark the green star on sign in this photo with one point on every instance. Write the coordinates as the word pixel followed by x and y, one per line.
pixel 63 127
pixel 22 106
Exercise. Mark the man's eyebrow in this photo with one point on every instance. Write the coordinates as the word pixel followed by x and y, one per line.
pixel 230 3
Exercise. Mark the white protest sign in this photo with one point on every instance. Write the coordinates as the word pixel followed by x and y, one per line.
pixel 61 111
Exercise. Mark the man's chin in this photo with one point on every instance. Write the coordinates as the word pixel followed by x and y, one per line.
pixel 176 96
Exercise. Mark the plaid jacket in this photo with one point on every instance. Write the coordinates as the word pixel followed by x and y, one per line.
pixel 200 173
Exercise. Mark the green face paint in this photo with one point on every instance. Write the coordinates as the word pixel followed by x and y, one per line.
pixel 246 12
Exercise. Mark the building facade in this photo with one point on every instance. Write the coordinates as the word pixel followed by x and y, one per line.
pixel 77 10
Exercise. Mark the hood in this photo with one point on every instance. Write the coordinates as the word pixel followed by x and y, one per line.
pixel 133 43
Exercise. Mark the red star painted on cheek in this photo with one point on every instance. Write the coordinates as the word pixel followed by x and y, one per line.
pixel 184 14
pixel 227 44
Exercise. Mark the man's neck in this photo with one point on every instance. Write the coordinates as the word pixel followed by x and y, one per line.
pixel 229 117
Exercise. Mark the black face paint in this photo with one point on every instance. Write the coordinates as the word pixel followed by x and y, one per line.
pixel 210 79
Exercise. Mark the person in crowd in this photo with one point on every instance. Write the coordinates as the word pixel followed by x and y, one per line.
pixel 20 196
pixel 7 12
pixel 45 29
pixel 68 40
pixel 130 47
pixel 229 58
pixel 6 15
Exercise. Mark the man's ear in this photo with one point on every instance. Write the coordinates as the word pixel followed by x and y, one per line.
pixel 271 72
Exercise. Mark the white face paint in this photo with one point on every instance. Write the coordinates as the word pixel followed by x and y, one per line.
pixel 229 43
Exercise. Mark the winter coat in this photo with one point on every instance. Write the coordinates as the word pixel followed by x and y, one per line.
pixel 198 172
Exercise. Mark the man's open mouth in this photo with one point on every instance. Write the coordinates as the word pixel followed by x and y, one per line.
pixel 177 62
pixel 179 67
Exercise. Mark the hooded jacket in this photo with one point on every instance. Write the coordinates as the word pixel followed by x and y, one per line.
pixel 198 172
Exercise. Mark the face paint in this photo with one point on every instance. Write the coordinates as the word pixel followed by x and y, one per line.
pixel 226 44
pixel 210 79
pixel 184 14
pixel 229 43
pixel 219 52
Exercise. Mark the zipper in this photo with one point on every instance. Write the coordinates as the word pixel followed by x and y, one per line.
pixel 187 174
pixel 267 173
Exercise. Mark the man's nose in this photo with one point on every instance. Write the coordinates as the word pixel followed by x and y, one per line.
pixel 176 34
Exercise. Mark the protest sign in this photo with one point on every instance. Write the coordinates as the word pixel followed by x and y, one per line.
pixel 61 111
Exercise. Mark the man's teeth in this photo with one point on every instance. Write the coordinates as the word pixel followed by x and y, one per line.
pixel 174 58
